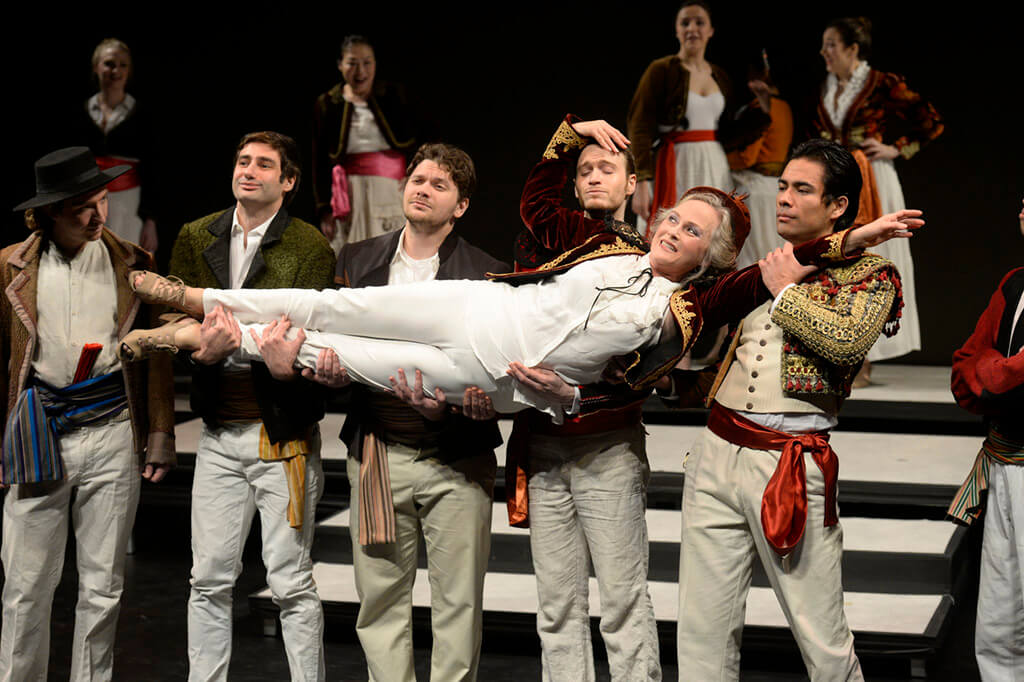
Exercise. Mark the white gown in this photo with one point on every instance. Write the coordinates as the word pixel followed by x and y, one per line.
pixel 462 333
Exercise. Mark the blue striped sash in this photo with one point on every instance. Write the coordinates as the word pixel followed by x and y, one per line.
pixel 43 413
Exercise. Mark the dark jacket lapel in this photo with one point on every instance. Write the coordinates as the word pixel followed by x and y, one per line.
pixel 272 236
pixel 379 268
pixel 218 254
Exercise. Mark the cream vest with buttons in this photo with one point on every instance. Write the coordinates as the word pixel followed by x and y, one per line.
pixel 754 380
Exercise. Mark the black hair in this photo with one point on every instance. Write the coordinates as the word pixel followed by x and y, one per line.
pixel 840 175
pixel 351 41
pixel 854 31
pixel 695 3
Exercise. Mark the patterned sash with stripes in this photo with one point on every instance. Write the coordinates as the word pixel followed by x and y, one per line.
pixel 968 503
pixel 43 413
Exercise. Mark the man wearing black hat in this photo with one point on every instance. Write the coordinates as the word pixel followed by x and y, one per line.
pixel 77 422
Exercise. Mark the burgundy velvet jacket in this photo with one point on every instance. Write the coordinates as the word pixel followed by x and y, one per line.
pixel 988 374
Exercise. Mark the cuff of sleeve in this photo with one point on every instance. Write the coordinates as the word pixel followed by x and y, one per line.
pixel 576 401
pixel 672 395
pixel 160 448
pixel 564 140
pixel 779 298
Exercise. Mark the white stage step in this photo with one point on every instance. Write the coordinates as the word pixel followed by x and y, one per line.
pixel 913 536
pixel 516 593
pixel 867 457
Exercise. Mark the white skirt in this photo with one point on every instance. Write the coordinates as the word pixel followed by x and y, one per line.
pixel 698 163
pixel 123 214
pixel 764 233
pixel 908 339
pixel 376 208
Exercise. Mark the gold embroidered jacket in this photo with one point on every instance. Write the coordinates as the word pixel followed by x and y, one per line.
pixel 831 320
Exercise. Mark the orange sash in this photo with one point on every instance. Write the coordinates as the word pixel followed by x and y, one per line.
pixel 870 205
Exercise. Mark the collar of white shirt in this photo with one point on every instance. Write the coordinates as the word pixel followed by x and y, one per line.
pixel 400 256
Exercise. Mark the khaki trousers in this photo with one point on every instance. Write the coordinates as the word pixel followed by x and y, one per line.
pixel 450 505
pixel 588 504
pixel 722 534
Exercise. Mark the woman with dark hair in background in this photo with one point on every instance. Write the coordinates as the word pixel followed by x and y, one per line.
pixel 118 134
pixel 675 119
pixel 757 166
pixel 875 112
pixel 362 131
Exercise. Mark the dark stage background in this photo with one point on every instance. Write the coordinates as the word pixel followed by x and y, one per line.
pixel 497 78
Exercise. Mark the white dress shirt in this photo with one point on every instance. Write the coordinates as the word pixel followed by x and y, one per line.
pixel 76 304
pixel 406 270
pixel 242 251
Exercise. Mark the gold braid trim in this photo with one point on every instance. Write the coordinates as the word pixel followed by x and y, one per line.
pixel 564 140
pixel 840 314
pixel 835 245
pixel 681 307
pixel 619 247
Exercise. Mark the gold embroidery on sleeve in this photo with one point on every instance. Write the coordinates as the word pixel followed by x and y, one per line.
pixel 564 139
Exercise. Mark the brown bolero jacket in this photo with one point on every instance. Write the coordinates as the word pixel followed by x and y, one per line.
pixel 149 384
pixel 712 301
pixel 660 100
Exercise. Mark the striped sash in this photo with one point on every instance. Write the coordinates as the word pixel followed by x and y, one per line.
pixel 43 413
pixel 376 506
pixel 968 503
pixel 292 455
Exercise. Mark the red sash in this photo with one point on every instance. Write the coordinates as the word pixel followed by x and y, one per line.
pixel 122 182
pixel 665 172
pixel 385 164
pixel 784 503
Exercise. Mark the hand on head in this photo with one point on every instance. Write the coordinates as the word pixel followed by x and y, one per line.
pixel 603 133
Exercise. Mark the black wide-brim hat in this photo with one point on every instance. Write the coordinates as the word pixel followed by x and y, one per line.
pixel 68 173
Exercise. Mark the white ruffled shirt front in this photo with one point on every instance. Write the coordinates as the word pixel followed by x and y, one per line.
pixel 837 108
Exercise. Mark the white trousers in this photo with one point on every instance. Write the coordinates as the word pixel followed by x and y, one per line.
pixel 588 503
pixel 376 330
pixel 231 483
pixel 450 506
pixel 722 533
pixel 101 492
pixel 999 636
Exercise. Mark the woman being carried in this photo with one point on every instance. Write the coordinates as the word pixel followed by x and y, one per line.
pixel 604 299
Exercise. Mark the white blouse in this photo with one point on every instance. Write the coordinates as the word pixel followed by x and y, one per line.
pixel 552 322
pixel 363 133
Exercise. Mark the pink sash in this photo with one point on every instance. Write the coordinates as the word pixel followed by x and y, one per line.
pixel 386 164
